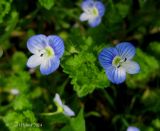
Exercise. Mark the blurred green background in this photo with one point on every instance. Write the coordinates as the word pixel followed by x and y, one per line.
pixel 80 80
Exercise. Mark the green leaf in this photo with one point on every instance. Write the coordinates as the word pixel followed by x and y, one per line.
pixel 30 116
pixel 156 123
pixel 46 3
pixel 22 102
pixel 57 118
pixel 75 124
pixel 5 7
pixel 154 48
pixel 142 3
pixel 117 12
pixel 25 121
pixel 122 9
pixel 67 128
pixel 10 25
pixel 78 123
pixel 150 100
pixel 148 69
pixel 19 81
pixel 81 63
pixel 12 119
pixel 19 61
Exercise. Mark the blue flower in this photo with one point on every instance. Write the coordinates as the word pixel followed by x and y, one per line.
pixel 132 128
pixel 1 51
pixel 62 107
pixel 93 12
pixel 47 52
pixel 117 61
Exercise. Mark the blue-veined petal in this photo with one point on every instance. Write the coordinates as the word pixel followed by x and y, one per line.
pixel 132 128
pixel 87 4
pixel 57 44
pixel 116 75
pixel 34 61
pixel 94 21
pixel 36 43
pixel 120 75
pixel 49 65
pixel 131 67
pixel 100 7
pixel 106 56
pixel 110 73
pixel 84 17
pixel 68 111
pixel 126 50
pixel 57 99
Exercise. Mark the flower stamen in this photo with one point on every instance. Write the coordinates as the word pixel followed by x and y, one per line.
pixel 117 61
pixel 49 52
pixel 95 12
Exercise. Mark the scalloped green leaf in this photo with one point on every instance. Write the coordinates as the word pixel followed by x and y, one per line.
pixel 5 7
pixel 149 68
pixel 19 61
pixel 82 67
pixel 46 3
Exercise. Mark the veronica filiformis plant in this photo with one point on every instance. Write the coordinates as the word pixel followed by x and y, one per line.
pixel 62 107
pixel 47 51
pixel 93 12
pixel 118 61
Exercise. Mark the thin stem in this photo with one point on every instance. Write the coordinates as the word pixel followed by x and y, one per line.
pixel 108 97
pixel 125 122
pixel 51 113
pixel 64 85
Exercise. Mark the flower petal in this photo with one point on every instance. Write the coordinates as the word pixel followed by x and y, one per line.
pixel 84 17
pixel 68 111
pixel 34 61
pixel 57 44
pixel 110 73
pixel 100 7
pixel 131 67
pixel 14 91
pixel 132 128
pixel 126 50
pixel 87 4
pixel 120 75
pixel 106 56
pixel 57 100
pixel 36 43
pixel 49 65
pixel 116 75
pixel 94 22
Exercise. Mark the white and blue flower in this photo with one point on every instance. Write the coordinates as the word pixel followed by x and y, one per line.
pixel 117 61
pixel 62 107
pixel 93 12
pixel 14 91
pixel 133 128
pixel 47 52
pixel 1 51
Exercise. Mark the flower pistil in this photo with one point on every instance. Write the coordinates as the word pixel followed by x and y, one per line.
pixel 118 61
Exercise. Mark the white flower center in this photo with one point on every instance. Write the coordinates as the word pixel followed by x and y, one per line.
pixel 92 12
pixel 95 11
pixel 47 52
pixel 118 61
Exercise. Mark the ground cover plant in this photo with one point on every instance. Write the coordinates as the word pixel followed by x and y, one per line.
pixel 82 65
